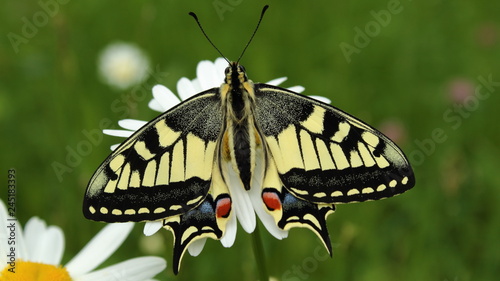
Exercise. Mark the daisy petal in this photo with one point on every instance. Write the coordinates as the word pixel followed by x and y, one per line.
pixel 256 198
pixel 155 105
pixel 296 89
pixel 3 217
pixel 277 81
pixel 196 85
pixel 131 124
pixel 207 75
pixel 240 201
pixel 322 99
pixel 151 227
pixel 34 228
pixel 142 268
pixel 220 67
pixel 99 248
pixel 185 88
pixel 165 97
pixel 21 250
pixel 196 247
pixel 269 223
pixel 118 133
pixel 4 233
pixel 230 235
pixel 114 146
pixel 51 246
pixel 266 219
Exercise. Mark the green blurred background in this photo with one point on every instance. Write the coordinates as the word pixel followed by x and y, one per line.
pixel 413 76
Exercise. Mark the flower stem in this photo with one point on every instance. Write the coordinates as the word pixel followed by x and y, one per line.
pixel 258 251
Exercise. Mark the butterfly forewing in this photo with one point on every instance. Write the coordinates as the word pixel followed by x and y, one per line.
pixel 325 155
pixel 163 169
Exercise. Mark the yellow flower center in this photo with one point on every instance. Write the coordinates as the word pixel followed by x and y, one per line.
pixel 32 271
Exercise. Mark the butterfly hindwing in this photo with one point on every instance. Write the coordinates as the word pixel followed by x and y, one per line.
pixel 207 220
pixel 289 211
pixel 163 169
pixel 325 155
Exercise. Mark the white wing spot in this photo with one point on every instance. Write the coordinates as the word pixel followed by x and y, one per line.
pixel 370 139
pixel 143 211
pixel 393 183
pixel 405 180
pixel 174 208
pixel 352 192
pixel 319 194
pixel 159 210
pixel 129 212
pixel 143 151
pixel 103 210
pixel 117 212
pixel 381 187
pixel 343 131
pixel 197 199
pixel 337 194
pixel 117 162
pixel 167 136
pixel 314 123
pixel 92 210
pixel 367 190
pixel 299 191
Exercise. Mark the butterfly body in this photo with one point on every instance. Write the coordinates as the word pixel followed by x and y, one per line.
pixel 242 147
pixel 242 135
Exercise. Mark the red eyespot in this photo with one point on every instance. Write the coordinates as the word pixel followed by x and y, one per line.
pixel 223 207
pixel 271 200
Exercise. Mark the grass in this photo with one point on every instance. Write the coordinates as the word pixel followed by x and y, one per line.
pixel 446 228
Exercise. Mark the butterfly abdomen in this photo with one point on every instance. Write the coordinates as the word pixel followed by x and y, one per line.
pixel 240 124
pixel 242 141
pixel 243 152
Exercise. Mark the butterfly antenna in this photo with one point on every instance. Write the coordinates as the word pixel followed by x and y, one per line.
pixel 255 31
pixel 206 36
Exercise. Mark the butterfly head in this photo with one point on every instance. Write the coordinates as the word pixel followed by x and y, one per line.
pixel 235 75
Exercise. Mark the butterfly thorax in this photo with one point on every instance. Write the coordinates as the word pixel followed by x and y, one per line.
pixel 240 137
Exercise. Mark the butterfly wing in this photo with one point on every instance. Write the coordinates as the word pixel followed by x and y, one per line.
pixel 318 155
pixel 163 169
pixel 324 155
pixel 289 211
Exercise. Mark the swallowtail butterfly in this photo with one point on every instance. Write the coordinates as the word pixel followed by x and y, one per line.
pixel 301 155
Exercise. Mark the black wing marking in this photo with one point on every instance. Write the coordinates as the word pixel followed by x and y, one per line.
pixel 163 169
pixel 325 155
pixel 204 221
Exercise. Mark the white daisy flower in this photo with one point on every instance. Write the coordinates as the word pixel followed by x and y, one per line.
pixel 245 203
pixel 123 65
pixel 36 253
